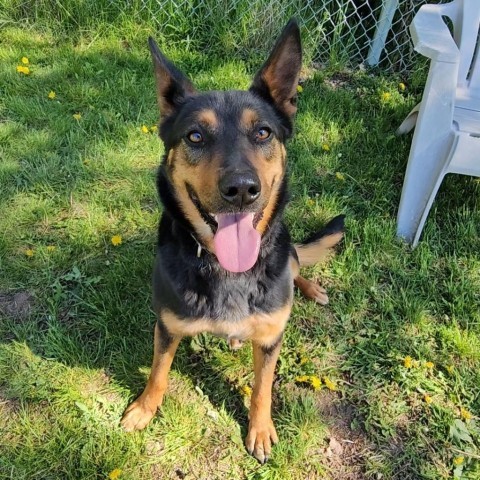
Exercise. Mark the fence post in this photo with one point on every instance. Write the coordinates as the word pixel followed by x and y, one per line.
pixel 384 24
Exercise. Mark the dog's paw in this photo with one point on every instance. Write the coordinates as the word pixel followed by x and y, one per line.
pixel 260 438
pixel 137 416
pixel 318 293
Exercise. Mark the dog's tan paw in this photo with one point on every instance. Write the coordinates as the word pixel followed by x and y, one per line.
pixel 137 416
pixel 260 438
pixel 318 293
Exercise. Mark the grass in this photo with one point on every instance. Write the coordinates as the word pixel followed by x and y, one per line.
pixel 76 325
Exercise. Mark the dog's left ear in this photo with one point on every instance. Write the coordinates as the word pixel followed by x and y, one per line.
pixel 277 80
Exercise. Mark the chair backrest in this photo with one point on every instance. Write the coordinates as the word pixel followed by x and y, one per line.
pixel 465 16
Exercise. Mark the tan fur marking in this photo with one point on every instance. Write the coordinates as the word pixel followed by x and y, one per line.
pixel 204 180
pixel 261 328
pixel 271 171
pixel 248 119
pixel 315 252
pixel 140 412
pixel 208 118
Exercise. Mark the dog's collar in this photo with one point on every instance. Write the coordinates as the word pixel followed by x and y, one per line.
pixel 199 249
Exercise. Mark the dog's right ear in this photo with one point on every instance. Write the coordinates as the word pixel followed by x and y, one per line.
pixel 172 85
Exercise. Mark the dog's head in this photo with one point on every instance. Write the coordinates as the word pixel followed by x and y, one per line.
pixel 224 151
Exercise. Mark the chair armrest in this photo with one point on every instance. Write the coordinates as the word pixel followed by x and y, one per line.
pixel 431 36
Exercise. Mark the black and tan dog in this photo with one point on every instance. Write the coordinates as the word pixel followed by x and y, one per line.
pixel 225 263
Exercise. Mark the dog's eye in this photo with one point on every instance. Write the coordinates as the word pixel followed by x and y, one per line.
pixel 195 137
pixel 262 134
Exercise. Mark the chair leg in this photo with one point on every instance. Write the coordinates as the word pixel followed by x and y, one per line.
pixel 425 172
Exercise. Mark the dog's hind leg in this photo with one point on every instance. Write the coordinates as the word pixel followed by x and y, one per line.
pixel 141 411
pixel 309 289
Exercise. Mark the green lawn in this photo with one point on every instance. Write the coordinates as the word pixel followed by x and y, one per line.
pixel 75 319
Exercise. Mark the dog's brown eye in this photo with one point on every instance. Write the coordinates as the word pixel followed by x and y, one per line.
pixel 195 137
pixel 262 134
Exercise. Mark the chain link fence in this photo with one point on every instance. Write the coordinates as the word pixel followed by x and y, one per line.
pixel 334 32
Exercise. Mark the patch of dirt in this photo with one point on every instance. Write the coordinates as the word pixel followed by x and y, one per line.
pixel 348 447
pixel 18 305
pixel 339 80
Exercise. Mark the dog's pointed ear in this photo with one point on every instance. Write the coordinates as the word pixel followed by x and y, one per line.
pixel 277 80
pixel 173 87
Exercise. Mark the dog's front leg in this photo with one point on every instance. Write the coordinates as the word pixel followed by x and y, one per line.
pixel 261 431
pixel 141 411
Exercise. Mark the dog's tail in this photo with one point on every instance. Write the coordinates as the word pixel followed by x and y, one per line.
pixel 316 247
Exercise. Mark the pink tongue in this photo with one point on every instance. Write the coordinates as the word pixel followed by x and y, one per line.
pixel 237 243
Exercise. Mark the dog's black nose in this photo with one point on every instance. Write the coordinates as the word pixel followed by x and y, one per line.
pixel 240 188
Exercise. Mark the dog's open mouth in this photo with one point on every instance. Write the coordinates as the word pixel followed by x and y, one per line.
pixel 236 241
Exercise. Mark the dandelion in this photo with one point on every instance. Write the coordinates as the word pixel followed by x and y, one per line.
pixel 385 96
pixel 310 202
pixel 52 95
pixel 51 248
pixel 311 380
pixel 25 60
pixel 145 129
pixel 450 369
pixel 303 360
pixel 299 89
pixel 326 147
pixel 430 365
pixel 340 176
pixel 116 240
pixel 329 384
pixel 458 461
pixel 315 382
pixel 246 391
pixel 77 116
pixel 114 474
pixel 24 70
pixel 408 362
pixel 428 399
pixel 29 252
pixel 402 87
pixel 465 414
pixel 154 129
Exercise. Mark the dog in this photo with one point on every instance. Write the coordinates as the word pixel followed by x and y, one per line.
pixel 225 262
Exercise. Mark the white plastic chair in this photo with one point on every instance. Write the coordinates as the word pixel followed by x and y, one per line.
pixel 447 131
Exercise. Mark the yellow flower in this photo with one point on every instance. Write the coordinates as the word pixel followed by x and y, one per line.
pixel 465 414
pixel 29 252
pixel 310 202
pixel 329 384
pixel 428 399
pixel 51 248
pixel 299 89
pixel 315 382
pixel 25 60
pixel 408 362
pixel 325 147
pixel 77 116
pixel 114 474
pixel 24 70
pixel 154 129
pixel 385 96
pixel 52 95
pixel 116 240
pixel 450 369
pixel 340 176
pixel 430 365
pixel 402 86
pixel 458 461
pixel 246 391
pixel 303 360
pixel 311 380
pixel 145 129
